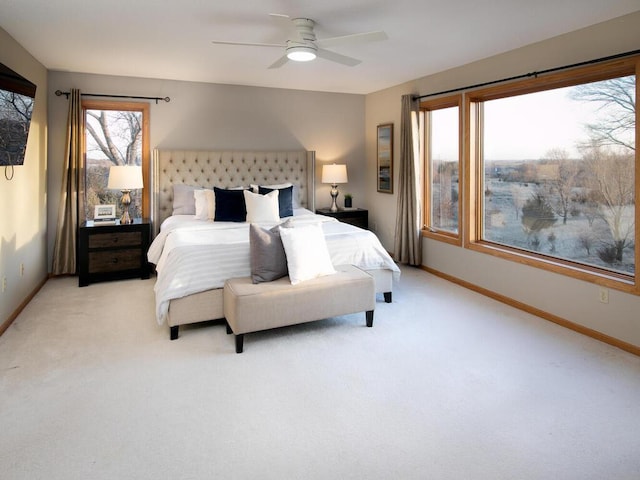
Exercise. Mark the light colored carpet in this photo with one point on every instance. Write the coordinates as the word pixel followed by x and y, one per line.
pixel 447 384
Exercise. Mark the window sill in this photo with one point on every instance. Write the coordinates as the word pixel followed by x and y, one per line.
pixel 602 277
pixel 450 238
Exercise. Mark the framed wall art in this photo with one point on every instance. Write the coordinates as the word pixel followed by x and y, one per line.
pixel 384 173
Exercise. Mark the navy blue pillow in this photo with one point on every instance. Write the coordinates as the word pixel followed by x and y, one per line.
pixel 285 199
pixel 230 206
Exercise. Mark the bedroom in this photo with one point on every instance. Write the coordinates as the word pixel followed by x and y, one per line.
pixel 341 126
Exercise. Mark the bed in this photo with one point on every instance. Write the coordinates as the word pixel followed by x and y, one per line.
pixel 194 255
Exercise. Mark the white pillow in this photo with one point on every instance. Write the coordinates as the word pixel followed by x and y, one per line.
pixel 205 204
pixel 307 253
pixel 211 203
pixel 262 208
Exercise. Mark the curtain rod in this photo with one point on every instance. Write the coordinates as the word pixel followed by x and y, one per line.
pixel 531 74
pixel 66 94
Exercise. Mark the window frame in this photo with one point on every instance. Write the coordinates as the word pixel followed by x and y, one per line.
pixel 474 168
pixel 145 154
pixel 426 107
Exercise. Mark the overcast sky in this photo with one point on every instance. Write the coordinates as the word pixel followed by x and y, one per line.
pixel 522 127
pixel 528 126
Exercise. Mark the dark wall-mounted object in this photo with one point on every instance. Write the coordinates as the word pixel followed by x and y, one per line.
pixel 17 95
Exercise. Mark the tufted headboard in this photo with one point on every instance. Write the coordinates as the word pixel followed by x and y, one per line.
pixel 226 169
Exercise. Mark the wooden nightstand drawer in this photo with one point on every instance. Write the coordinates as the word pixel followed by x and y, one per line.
pixel 106 240
pixel 114 260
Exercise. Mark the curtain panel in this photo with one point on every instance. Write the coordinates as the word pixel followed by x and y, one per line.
pixel 71 194
pixel 408 237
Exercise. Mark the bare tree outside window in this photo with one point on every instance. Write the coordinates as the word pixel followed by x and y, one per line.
pixel 616 102
pixel 560 185
pixel 113 137
pixel 609 159
pixel 15 116
pixel 581 190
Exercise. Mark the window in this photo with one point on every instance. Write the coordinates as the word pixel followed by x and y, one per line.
pixel 442 168
pixel 554 172
pixel 116 133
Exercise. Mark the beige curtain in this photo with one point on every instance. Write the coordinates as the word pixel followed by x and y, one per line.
pixel 408 241
pixel 71 194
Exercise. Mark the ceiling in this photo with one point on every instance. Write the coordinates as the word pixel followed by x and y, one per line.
pixel 172 39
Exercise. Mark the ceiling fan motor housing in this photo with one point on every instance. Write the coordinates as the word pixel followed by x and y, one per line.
pixel 304 48
pixel 304 27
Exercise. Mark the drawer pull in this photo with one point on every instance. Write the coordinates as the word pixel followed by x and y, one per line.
pixel 114 260
pixel 115 239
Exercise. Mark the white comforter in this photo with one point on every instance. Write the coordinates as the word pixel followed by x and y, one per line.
pixel 193 256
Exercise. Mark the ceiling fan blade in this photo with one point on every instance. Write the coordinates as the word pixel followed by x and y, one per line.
pixel 280 62
pixel 248 44
pixel 352 39
pixel 336 57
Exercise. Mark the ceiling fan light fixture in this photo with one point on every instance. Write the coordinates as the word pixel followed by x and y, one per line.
pixel 301 53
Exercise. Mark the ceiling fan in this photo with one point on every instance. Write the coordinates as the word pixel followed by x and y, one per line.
pixel 303 45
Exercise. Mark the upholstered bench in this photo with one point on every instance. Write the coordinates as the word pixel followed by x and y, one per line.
pixel 250 307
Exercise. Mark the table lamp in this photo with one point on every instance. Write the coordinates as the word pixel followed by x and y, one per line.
pixel 125 178
pixel 334 174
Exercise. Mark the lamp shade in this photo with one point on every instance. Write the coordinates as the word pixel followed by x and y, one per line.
pixel 334 174
pixel 125 177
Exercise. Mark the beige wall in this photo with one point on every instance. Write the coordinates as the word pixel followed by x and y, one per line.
pixel 562 296
pixel 212 116
pixel 23 219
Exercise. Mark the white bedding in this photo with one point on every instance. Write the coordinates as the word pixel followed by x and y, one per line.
pixel 193 256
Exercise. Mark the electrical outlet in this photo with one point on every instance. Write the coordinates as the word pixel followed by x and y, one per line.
pixel 22 269
pixel 604 295
pixel 4 283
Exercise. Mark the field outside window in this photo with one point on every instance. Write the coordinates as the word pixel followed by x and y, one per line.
pixel 559 173
pixel 551 168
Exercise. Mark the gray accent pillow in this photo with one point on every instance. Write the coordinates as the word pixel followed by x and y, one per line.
pixel 184 202
pixel 267 257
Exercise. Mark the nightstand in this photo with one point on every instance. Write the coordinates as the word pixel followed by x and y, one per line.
pixel 355 216
pixel 113 252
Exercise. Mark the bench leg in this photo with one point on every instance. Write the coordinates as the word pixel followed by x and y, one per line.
pixel 387 297
pixel 173 332
pixel 239 342
pixel 369 314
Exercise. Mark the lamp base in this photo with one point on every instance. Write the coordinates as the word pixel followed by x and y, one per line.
pixel 125 219
pixel 334 197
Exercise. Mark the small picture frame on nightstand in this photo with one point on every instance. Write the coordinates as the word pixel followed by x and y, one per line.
pixel 104 214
